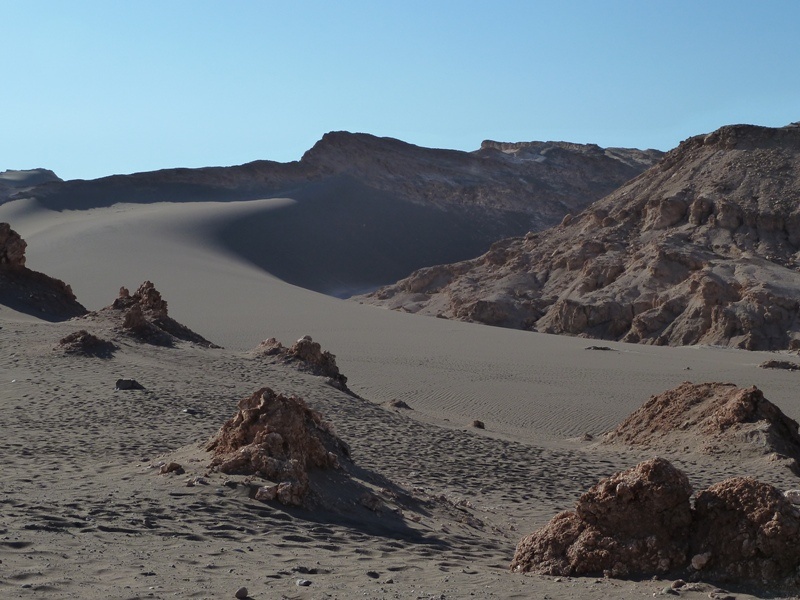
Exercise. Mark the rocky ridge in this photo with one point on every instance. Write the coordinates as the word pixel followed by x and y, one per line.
pixel 703 248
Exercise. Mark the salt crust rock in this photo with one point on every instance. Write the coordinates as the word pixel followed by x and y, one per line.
pixel 307 355
pixel 280 439
pixel 640 523
pixel 634 523
pixel 708 415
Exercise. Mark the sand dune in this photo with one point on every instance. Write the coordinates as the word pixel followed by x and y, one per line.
pixel 84 515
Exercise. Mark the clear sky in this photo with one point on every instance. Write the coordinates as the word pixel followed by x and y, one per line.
pixel 96 87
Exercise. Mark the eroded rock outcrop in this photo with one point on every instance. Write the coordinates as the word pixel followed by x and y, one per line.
pixel 640 523
pixel 143 316
pixel 307 355
pixel 29 291
pixel 703 248
pixel 710 418
pixel 635 523
pixel 280 439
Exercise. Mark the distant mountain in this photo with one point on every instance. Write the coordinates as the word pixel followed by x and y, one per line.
pixel 377 208
pixel 15 182
pixel 703 248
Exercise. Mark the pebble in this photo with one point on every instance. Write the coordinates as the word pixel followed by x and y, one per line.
pixel 241 593
pixel 302 583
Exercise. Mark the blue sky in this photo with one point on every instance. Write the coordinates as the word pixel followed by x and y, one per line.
pixel 93 88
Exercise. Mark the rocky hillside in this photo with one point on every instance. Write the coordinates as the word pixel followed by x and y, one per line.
pixel 700 249
pixel 377 208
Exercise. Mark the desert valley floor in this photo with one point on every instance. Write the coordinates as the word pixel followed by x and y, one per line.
pixel 86 513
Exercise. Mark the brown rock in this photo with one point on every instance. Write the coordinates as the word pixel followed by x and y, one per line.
pixel 747 531
pixel 307 355
pixel 29 291
pixel 83 343
pixel 278 438
pixel 634 523
pixel 710 415
pixel 12 248
pixel 145 318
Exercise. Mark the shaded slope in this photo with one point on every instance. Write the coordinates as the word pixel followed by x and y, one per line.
pixel 702 248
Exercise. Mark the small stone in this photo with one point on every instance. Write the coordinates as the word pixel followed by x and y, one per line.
pixel 373 574
pixel 128 384
pixel 478 424
pixel 668 591
pixel 678 583
pixel 302 583
pixel 241 593
pixel 700 560
pixel 172 467
pixel 792 496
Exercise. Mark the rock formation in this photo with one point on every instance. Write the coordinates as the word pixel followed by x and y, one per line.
pixel 83 343
pixel 710 418
pixel 377 208
pixel 635 523
pixel 307 355
pixel 703 248
pixel 279 439
pixel 29 291
pixel 640 523
pixel 144 317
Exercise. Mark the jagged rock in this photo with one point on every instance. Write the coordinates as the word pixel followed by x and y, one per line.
pixel 12 248
pixel 30 291
pixel 280 439
pixel 703 248
pixel 307 355
pixel 634 523
pixel 747 531
pixel 478 424
pixel 710 417
pixel 144 317
pixel 83 343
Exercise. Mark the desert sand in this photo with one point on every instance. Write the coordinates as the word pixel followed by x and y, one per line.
pixel 86 513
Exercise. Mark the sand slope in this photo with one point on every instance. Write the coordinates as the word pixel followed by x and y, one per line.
pixel 83 515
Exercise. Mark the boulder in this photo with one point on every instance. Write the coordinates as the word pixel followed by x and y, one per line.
pixel 632 524
pixel 280 439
